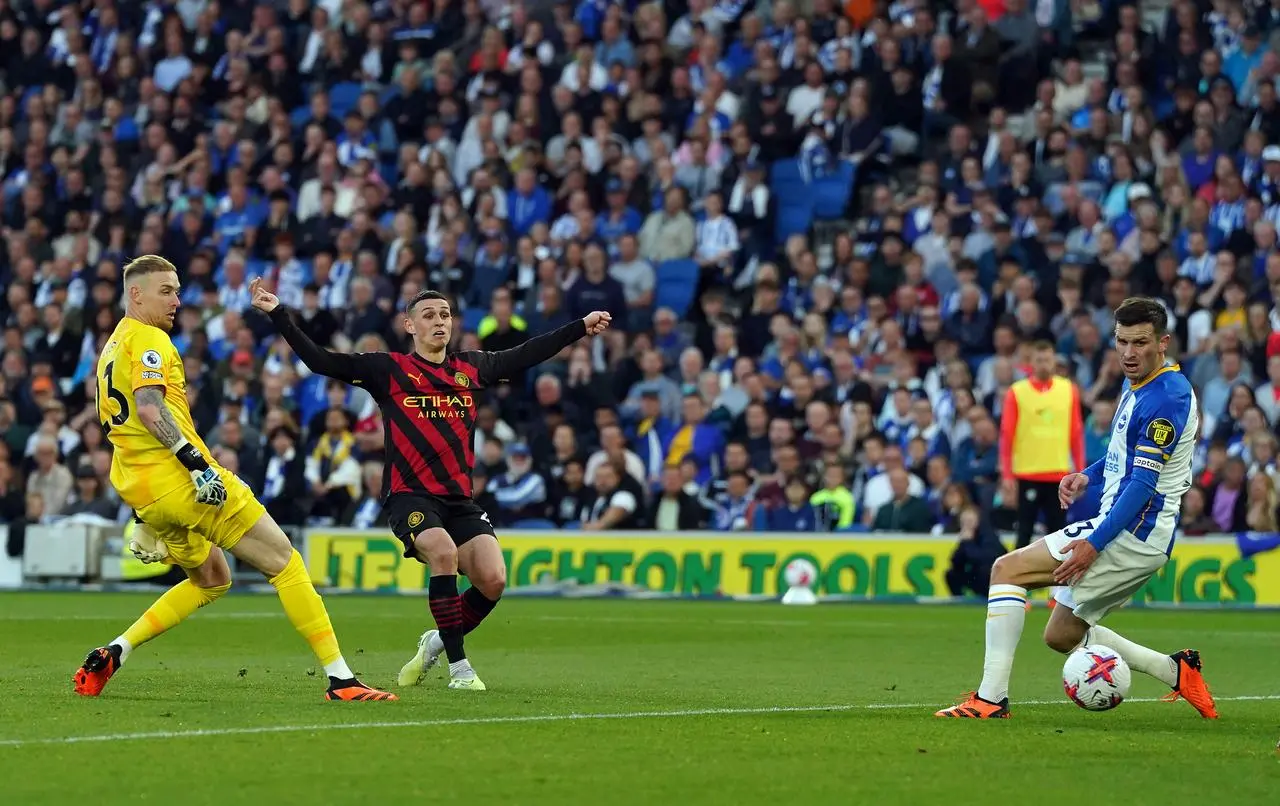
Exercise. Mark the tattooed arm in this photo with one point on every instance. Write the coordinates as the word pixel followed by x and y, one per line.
pixel 158 420
pixel 156 417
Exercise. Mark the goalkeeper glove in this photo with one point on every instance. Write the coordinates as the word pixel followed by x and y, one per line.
pixel 209 487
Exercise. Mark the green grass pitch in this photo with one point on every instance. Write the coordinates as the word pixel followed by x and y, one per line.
pixel 618 702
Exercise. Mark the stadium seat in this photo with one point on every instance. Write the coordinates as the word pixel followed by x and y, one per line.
pixel 786 173
pixel 794 198
pixel 311 398
pixel 831 194
pixel 343 98
pixel 471 318
pixel 792 219
pixel 676 286
pixel 298 117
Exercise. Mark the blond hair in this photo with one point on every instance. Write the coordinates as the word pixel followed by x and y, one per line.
pixel 147 264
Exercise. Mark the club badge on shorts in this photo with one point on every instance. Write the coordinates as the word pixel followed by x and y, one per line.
pixel 415 519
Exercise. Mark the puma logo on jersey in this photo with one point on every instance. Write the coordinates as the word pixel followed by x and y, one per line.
pixel 414 378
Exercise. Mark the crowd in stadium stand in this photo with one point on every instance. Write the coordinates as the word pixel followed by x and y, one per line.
pixel 829 238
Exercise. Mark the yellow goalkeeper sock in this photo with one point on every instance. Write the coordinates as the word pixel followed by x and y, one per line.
pixel 306 612
pixel 167 612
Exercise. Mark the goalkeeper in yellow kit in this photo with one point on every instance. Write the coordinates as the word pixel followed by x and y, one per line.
pixel 194 507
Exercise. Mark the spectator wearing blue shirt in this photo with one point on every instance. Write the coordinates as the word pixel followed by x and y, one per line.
pixel 617 219
pixel 613 47
pixel 1244 59
pixel 492 269
pixel 122 127
pixel 796 514
pixel 528 203
pixel 925 427
pixel 520 492
pixel 1198 163
pixel 733 513
pixel 233 225
pixel 695 440
pixel 977 459
pixel 356 142
pixel 740 56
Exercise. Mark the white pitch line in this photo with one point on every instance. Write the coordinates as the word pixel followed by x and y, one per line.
pixel 512 720
pixel 425 723
pixel 750 622
pixel 763 622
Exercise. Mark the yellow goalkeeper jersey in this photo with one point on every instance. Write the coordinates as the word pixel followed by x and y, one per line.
pixel 137 356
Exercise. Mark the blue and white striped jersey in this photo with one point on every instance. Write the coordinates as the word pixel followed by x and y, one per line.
pixel 1155 429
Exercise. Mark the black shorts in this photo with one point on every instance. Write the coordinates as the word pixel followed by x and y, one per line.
pixel 411 514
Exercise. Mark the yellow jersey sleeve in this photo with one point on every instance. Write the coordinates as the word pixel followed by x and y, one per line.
pixel 153 360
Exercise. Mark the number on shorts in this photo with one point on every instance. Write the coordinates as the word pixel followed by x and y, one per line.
pixel 116 395
pixel 1075 530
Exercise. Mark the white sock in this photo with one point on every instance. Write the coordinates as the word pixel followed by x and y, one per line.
pixel 434 645
pixel 339 669
pixel 125 648
pixel 1006 613
pixel 1139 658
pixel 461 669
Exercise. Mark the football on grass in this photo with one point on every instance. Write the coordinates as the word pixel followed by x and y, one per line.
pixel 800 574
pixel 1096 678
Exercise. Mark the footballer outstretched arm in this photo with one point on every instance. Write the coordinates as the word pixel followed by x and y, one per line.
pixel 155 416
pixel 499 366
pixel 343 367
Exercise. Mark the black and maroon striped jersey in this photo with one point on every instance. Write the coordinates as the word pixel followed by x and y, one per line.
pixel 428 408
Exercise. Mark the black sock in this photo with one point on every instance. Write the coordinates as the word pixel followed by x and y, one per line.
pixel 475 606
pixel 446 609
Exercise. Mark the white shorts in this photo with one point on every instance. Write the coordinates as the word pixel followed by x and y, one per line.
pixel 1120 571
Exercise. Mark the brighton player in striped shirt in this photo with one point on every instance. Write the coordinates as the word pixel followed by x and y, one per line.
pixel 428 403
pixel 1105 560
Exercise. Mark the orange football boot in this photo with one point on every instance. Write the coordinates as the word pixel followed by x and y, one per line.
pixel 97 669
pixel 974 707
pixel 353 690
pixel 1191 685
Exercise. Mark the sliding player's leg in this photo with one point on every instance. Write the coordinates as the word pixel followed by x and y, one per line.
pixel 265 547
pixel 206 582
pixel 1109 584
pixel 480 560
pixel 1012 576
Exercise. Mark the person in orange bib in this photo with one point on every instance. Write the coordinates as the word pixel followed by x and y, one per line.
pixel 1041 440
